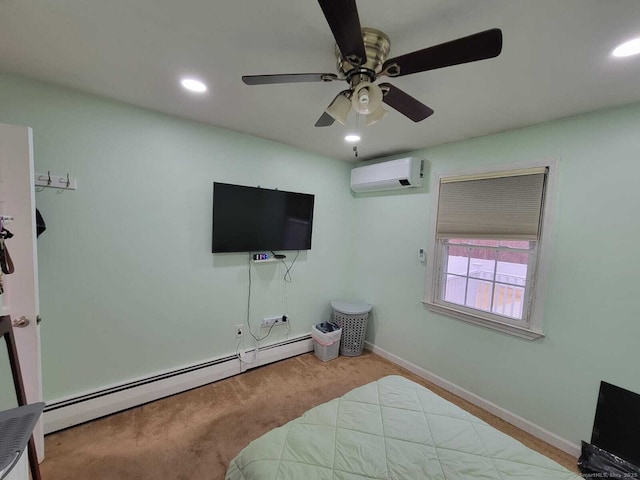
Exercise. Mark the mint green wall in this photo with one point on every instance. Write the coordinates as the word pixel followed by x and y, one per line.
pixel 128 285
pixel 592 312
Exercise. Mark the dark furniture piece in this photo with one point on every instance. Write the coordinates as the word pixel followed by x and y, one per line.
pixel 6 331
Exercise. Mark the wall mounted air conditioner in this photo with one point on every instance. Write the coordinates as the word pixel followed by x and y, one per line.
pixel 400 173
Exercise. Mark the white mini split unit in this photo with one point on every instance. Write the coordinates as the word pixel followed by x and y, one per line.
pixel 394 174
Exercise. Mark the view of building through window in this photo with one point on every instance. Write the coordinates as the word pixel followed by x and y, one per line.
pixel 488 275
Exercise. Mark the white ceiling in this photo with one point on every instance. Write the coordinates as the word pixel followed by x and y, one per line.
pixel 555 62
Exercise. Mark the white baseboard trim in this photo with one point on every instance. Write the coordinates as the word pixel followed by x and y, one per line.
pixel 522 423
pixel 69 411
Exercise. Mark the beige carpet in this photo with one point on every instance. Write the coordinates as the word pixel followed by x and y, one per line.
pixel 194 435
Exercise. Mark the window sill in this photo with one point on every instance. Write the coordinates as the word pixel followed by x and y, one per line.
pixel 514 330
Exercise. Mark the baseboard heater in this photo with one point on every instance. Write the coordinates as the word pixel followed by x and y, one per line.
pixel 70 411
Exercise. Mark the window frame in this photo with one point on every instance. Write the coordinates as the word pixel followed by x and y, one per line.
pixel 531 327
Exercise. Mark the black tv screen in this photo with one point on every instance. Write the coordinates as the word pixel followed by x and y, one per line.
pixel 250 219
pixel 617 422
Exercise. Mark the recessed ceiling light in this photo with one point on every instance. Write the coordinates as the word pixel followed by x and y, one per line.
pixel 193 85
pixel 626 49
pixel 352 138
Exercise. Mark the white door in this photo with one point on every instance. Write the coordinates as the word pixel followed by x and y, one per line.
pixel 20 297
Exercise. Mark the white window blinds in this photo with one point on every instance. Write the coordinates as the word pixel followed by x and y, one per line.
pixel 505 205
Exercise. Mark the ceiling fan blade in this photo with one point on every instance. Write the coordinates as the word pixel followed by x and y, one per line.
pixel 325 120
pixel 288 78
pixel 343 19
pixel 405 103
pixel 480 46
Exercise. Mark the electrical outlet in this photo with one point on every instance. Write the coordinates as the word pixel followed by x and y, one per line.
pixel 239 330
pixel 276 320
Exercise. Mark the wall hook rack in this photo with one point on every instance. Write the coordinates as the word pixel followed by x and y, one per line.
pixel 61 182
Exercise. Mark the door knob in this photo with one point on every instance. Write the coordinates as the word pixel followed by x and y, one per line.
pixel 21 322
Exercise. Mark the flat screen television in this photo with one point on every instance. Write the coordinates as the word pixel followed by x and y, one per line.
pixel 617 422
pixel 250 219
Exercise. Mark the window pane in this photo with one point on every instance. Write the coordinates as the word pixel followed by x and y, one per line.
pixel 458 260
pixel 454 289
pixel 512 267
pixel 508 301
pixel 479 294
pixel 482 263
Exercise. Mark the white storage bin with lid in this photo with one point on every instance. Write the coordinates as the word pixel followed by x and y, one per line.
pixel 353 319
pixel 326 346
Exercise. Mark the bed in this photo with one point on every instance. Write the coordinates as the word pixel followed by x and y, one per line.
pixel 390 429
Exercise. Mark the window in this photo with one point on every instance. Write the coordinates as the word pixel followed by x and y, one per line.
pixel 486 252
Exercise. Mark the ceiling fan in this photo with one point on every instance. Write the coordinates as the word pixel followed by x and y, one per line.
pixel 362 60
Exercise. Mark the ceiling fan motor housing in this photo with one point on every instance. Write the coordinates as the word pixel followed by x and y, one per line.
pixel 377 46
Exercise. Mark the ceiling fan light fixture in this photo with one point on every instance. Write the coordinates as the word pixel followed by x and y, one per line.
pixel 626 49
pixel 366 98
pixel 376 116
pixel 352 138
pixel 339 108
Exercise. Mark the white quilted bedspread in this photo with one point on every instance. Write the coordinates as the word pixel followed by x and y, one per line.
pixel 390 429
